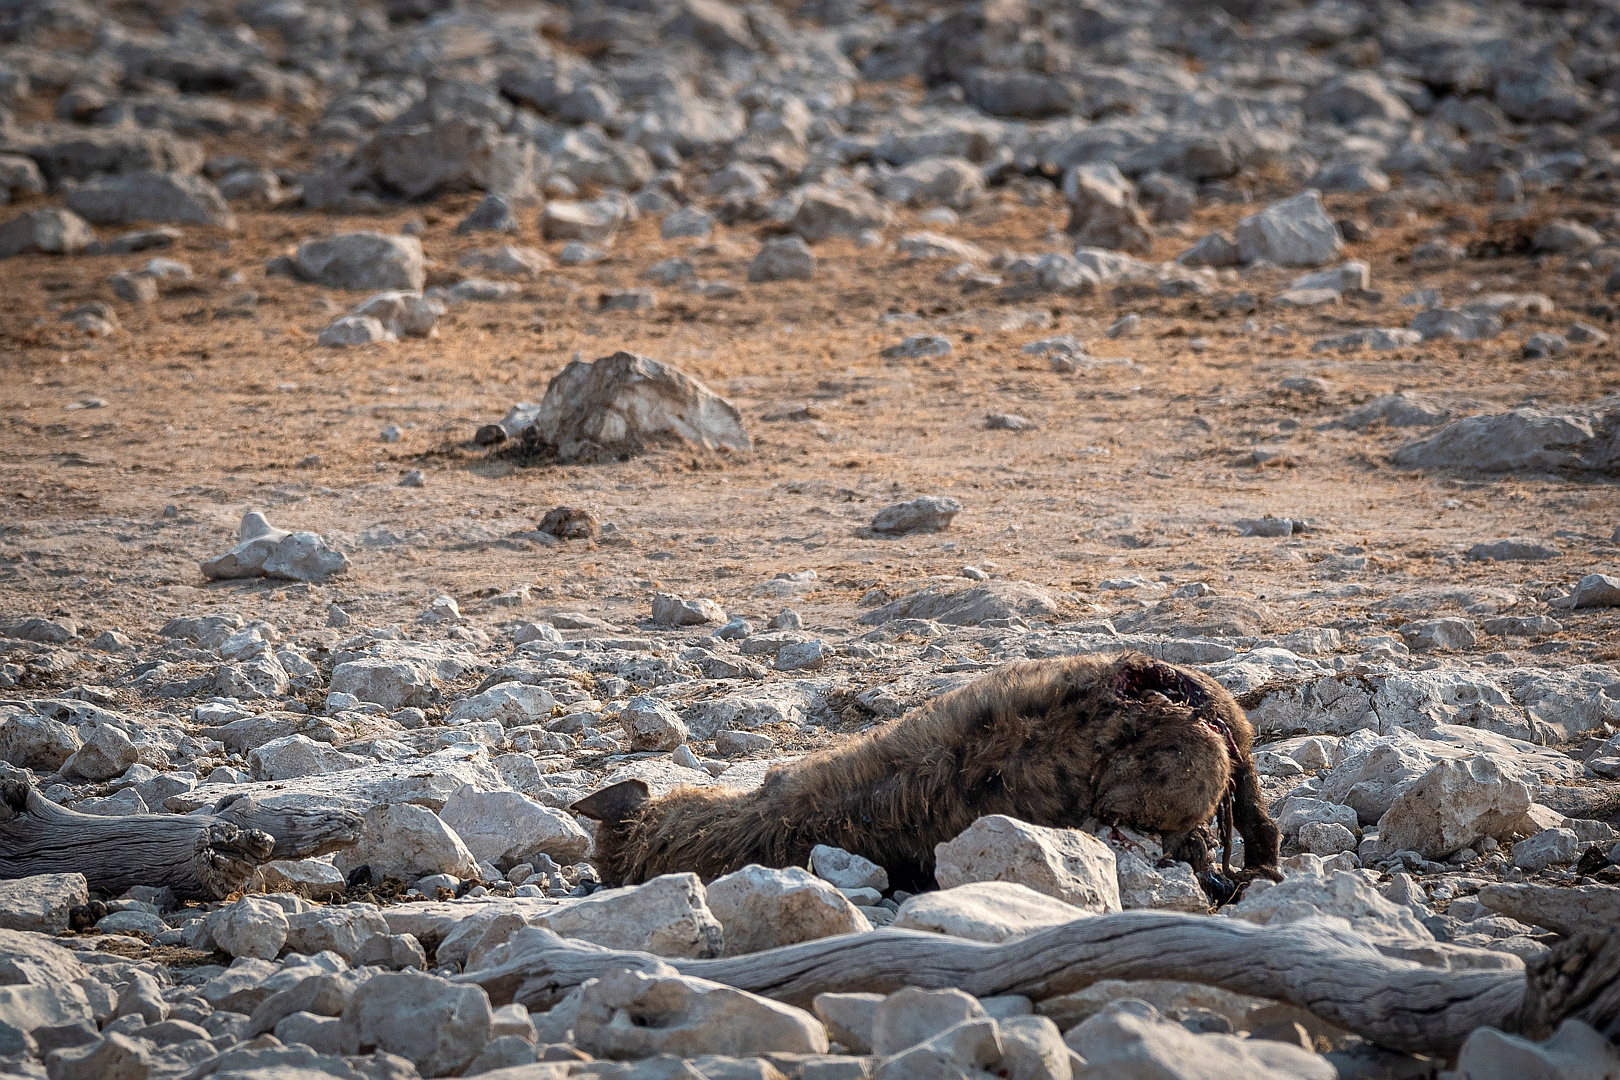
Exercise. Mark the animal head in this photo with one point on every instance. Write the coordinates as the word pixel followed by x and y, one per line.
pixel 1157 685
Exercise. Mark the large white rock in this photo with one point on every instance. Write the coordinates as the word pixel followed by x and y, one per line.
pixel 314 878
pixel 347 330
pixel 1167 995
pixel 508 828
pixel 956 606
pixel 590 222
pixel 27 1008
pixel 667 916
pixel 935 181
pixel 1371 771
pixel 408 842
pixel 623 403
pixel 1293 232
pixel 1145 884
pixel 428 780
pixel 985 911
pixel 930 513
pixel 42 902
pixel 1103 211
pixel 846 870
pixel 1562 909
pixel 782 258
pixel 1575 1052
pixel 849 1018
pixel 362 260
pixel 439 1025
pixel 632 1014
pixel 48 230
pixel 344 930
pixel 1549 847
pixel 111 748
pixel 292 756
pixel 35 742
pixel 971 1048
pixel 761 908
pixel 512 704
pixel 404 313
pixel 1355 96
pixel 243 987
pixel 1032 1046
pixel 1129 1040
pixel 250 927
pixel 1452 805
pixel 1523 438
pixel 825 213
pixel 1306 894
pixel 1326 838
pixel 912 1015
pixel 1027 1047
pixel 651 724
pixel 265 551
pixel 394 682
pixel 1297 811
pixel 115 1057
pixel 1067 864
pixel 453 153
pixel 150 196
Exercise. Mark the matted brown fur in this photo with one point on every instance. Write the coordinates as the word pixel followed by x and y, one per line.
pixel 1128 741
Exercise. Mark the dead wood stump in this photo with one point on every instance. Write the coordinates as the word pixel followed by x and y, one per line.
pixel 199 856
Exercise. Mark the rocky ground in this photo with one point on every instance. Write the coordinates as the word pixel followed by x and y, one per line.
pixel 1266 338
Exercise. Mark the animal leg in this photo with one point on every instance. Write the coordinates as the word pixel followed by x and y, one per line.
pixel 1190 846
pixel 1262 842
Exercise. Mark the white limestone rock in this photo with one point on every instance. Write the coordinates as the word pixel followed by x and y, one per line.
pixel 1130 1038
pixel 344 930
pixel 1575 1052
pixel 362 260
pixel 624 403
pixel 652 725
pixel 1308 893
pixel 296 755
pixel 438 1025
pixel 1454 804
pixel 911 1016
pixel 250 927
pixel 846 870
pixel 507 828
pixel 1294 232
pixel 985 911
pixel 265 551
pixel 1064 863
pixel 1550 847
pixel 762 908
pixel 408 842
pixel 511 704
pixel 667 916
pixel 633 1014
pixel 41 903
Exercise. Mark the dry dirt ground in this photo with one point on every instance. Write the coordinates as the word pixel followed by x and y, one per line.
pixel 214 406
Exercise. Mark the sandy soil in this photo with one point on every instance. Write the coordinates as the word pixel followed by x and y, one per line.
pixel 213 407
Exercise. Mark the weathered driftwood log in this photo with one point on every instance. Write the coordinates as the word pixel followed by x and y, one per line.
pixel 200 857
pixel 1333 973
pixel 1579 978
pixel 300 832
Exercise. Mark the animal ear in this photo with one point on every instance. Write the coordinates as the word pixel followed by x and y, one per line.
pixel 615 805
